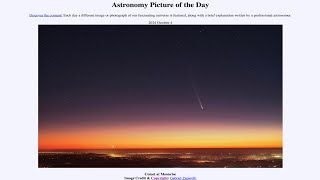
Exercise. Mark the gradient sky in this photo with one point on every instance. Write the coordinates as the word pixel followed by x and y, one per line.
pixel 138 86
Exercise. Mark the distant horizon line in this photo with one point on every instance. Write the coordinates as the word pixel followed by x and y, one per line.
pixel 68 149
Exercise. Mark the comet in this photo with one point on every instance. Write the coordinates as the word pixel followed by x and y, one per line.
pixel 195 90
pixel 201 105
pixel 197 95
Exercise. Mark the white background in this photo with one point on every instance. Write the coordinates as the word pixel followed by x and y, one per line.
pixel 19 84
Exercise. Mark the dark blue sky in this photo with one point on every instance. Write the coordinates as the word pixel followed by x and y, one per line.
pixel 143 71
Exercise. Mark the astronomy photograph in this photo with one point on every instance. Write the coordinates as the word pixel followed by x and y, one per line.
pixel 151 96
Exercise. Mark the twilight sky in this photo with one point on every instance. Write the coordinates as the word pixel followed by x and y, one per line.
pixel 143 86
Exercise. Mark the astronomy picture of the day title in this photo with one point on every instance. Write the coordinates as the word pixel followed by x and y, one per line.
pixel 162 5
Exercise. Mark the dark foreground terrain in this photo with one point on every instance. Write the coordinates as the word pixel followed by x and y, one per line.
pixel 220 158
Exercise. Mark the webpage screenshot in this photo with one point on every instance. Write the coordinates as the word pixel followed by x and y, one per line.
pixel 160 90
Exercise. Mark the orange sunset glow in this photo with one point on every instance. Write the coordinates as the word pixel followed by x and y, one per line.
pixel 162 136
